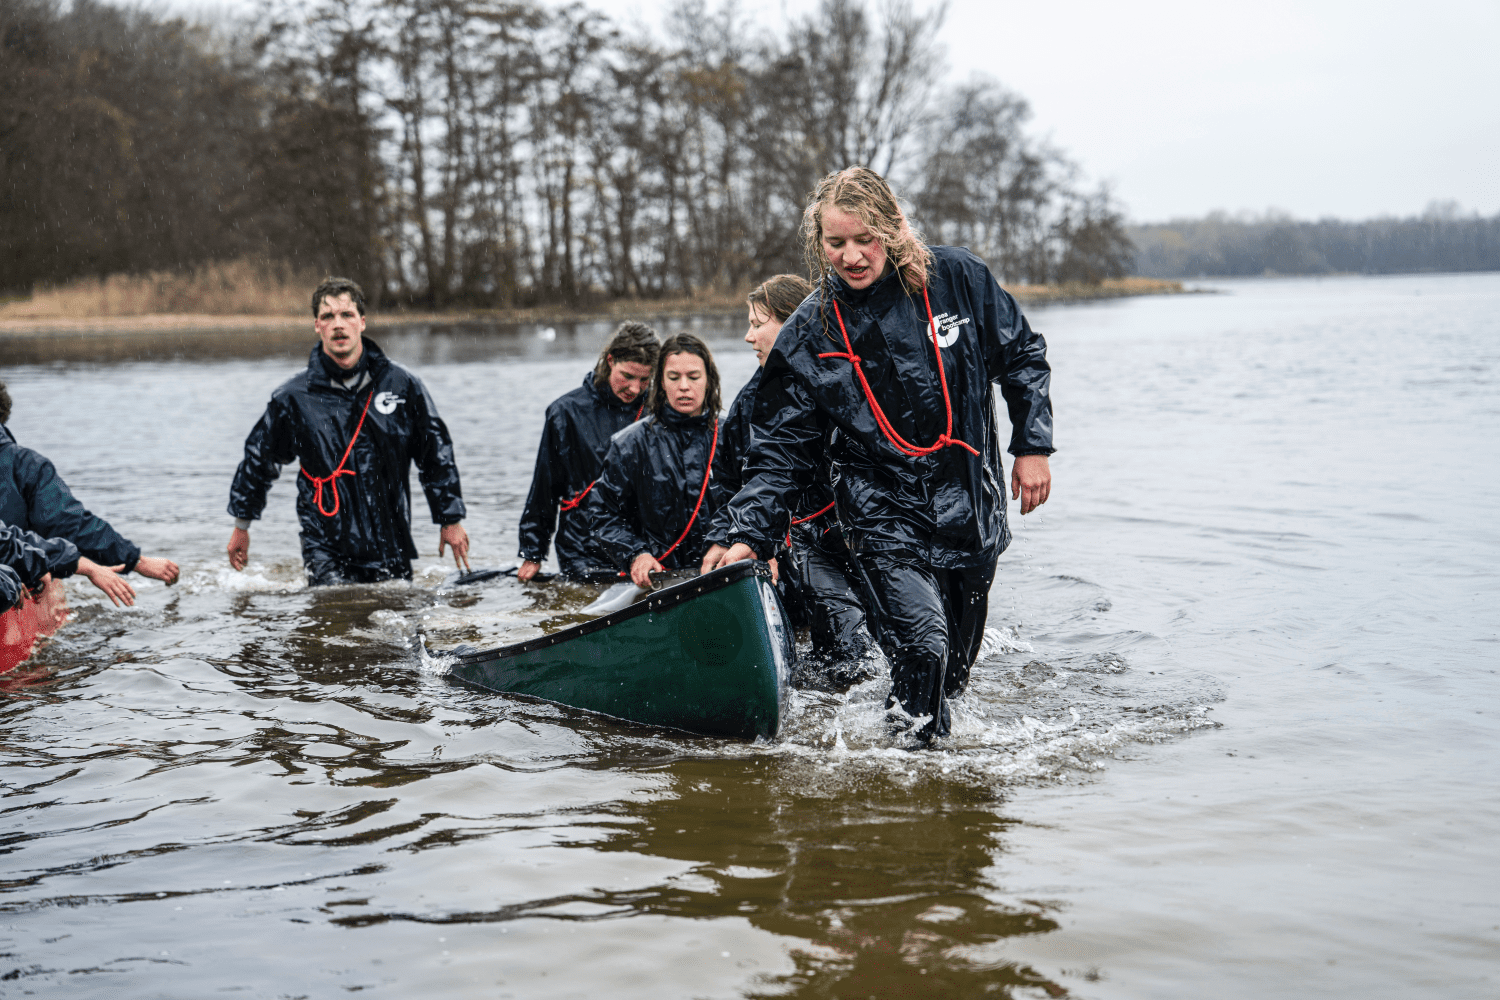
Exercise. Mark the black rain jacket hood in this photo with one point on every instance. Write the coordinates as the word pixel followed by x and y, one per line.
pixel 311 418
pixel 650 484
pixel 575 439
pixel 33 496
pixel 946 509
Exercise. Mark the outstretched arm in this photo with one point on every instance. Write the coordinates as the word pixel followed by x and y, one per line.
pixel 107 579
pixel 613 509
pixel 158 568
pixel 54 512
pixel 788 443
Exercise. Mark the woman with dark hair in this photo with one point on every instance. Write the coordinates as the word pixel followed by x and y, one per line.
pixel 651 506
pixel 575 436
pixel 898 352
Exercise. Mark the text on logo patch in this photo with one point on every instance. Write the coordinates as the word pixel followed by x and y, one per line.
pixel 387 402
pixel 948 326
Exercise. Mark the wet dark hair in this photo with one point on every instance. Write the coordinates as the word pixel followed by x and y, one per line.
pixel 333 288
pixel 685 343
pixel 779 296
pixel 4 404
pixel 633 343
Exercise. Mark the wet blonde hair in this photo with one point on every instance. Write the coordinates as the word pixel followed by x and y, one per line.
pixel 779 296
pixel 865 195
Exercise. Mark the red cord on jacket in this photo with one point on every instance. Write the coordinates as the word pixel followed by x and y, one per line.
pixel 570 504
pixel 332 478
pixel 712 447
pixel 897 441
pixel 802 520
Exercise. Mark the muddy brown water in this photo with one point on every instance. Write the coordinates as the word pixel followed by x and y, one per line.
pixel 1232 735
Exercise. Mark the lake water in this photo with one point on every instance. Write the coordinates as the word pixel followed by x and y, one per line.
pixel 1234 735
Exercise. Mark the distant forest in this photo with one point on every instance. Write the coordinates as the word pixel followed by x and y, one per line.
pixel 503 152
pixel 1441 239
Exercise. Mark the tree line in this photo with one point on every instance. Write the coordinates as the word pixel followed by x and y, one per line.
pixel 504 152
pixel 1440 239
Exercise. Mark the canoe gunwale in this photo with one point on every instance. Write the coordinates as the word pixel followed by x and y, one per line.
pixel 662 600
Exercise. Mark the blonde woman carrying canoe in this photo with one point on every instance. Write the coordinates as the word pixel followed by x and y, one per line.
pixel 898 352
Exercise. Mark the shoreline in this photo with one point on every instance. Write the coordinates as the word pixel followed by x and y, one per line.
pixel 209 325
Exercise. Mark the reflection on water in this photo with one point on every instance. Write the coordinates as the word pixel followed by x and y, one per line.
pixel 227 768
pixel 241 766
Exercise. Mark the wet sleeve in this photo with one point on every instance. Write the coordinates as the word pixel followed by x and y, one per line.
pixel 539 516
pixel 53 511
pixel 267 449
pixel 613 507
pixel 10 588
pixel 781 463
pixel 729 461
pixel 437 468
pixel 32 557
pixel 1016 359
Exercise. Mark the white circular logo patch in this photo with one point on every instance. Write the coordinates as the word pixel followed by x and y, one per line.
pixel 946 335
pixel 387 402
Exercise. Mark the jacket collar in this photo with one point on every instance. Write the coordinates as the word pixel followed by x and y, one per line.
pixel 880 294
pixel 677 421
pixel 376 361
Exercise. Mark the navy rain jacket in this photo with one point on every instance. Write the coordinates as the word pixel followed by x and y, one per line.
pixel 650 484
pixel 575 438
pixel 729 477
pixel 312 419
pixel 947 509
pixel 734 443
pixel 26 557
pixel 33 496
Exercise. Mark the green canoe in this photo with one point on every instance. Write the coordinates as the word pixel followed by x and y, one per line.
pixel 709 656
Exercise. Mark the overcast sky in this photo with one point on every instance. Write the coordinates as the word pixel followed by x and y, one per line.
pixel 1346 108
pixel 1317 108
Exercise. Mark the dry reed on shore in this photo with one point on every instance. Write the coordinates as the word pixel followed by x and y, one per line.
pixel 1077 291
pixel 261 289
pixel 233 288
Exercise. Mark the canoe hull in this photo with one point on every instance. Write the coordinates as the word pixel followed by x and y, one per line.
pixel 710 656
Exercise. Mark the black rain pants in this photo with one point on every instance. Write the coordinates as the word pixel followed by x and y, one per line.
pixel 326 569
pixel 930 623
pixel 823 594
